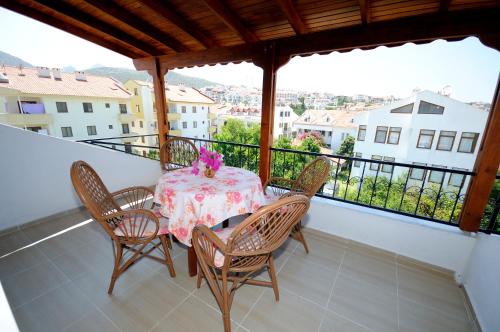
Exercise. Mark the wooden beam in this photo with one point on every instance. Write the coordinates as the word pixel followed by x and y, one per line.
pixel 449 26
pixel 51 20
pixel 160 98
pixel 486 168
pixel 444 5
pixel 231 20
pixel 73 13
pixel 292 16
pixel 136 22
pixel 182 24
pixel 364 8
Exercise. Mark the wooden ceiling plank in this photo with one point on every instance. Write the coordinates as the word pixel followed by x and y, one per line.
pixel 89 20
pixel 123 15
pixel 444 5
pixel 181 23
pixel 231 20
pixel 364 7
pixel 293 16
pixel 50 20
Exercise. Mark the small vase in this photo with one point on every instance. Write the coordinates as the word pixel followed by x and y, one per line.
pixel 209 173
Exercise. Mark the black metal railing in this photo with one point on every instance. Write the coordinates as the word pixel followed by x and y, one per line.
pixel 430 193
pixel 140 145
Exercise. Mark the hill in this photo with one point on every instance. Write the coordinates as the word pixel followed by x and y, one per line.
pixel 10 60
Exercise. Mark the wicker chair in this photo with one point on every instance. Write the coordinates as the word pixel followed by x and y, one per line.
pixel 235 254
pixel 133 231
pixel 177 153
pixel 308 182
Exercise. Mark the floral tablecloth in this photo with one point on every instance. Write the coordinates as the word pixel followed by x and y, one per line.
pixel 188 199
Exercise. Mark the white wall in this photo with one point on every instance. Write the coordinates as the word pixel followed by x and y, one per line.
pixel 35 180
pixel 481 281
pixel 440 245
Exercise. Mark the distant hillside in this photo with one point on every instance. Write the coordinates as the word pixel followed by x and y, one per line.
pixel 124 74
pixel 10 60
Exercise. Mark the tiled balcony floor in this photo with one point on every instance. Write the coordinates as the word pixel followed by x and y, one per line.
pixel 60 284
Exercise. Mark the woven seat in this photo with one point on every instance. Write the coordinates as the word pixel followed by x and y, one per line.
pixel 136 232
pixel 177 153
pixel 307 183
pixel 236 254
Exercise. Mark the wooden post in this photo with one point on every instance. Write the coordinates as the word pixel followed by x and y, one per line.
pixel 160 99
pixel 486 167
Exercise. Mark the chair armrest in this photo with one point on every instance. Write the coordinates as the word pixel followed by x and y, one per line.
pixel 139 225
pixel 135 197
pixel 206 243
pixel 279 186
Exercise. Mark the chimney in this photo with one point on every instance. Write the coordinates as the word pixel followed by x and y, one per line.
pixel 4 71
pixel 56 72
pixel 80 76
pixel 182 87
pixel 20 67
pixel 43 72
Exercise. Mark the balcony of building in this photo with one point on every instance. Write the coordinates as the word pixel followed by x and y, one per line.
pixel 126 117
pixel 173 116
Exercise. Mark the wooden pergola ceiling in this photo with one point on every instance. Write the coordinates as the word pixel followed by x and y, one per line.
pixel 145 28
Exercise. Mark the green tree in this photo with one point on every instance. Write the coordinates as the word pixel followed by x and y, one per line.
pixel 299 108
pixel 346 148
pixel 309 144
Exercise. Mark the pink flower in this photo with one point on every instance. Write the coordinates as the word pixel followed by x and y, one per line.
pixel 195 170
pixel 183 232
pixel 199 197
pixel 233 197
pixel 211 159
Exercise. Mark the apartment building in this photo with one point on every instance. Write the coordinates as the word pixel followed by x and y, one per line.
pixel 426 129
pixel 333 126
pixel 73 106
pixel 283 119
pixel 188 111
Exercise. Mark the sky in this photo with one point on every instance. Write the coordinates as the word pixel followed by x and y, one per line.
pixel 471 69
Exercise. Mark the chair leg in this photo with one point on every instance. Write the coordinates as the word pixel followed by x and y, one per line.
pixel 116 268
pixel 200 277
pixel 168 259
pixel 225 305
pixel 302 239
pixel 272 274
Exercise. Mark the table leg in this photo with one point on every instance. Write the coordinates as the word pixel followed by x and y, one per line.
pixel 192 262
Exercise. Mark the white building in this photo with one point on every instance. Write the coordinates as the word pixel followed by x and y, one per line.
pixel 283 117
pixel 333 126
pixel 427 129
pixel 73 106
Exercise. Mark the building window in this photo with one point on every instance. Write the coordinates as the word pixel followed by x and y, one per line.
pixel 195 124
pixel 457 180
pixel 403 109
pixel 91 130
pixel 125 128
pixel 417 173
pixel 62 107
pixel 144 153
pixel 388 168
pixel 446 140
pixel 183 109
pixel 141 124
pixel 137 108
pixel 361 133
pixel 123 108
pixel 436 176
pixel 381 134
pixel 66 132
pixel 428 108
pixel 375 166
pixel 194 109
pixel 357 163
pixel 393 137
pixel 281 114
pixel 110 126
pixel 106 105
pixel 425 139
pixel 468 142
pixel 136 93
pixel 143 140
pixel 184 125
pixel 155 124
pixel 87 107
pixel 133 124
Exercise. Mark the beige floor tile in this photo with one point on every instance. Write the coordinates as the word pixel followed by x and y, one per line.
pixel 13 241
pixel 144 304
pixel 60 244
pixel 363 302
pixel 192 316
pixel 371 266
pixel 20 261
pixel 291 313
pixel 327 253
pixel 182 277
pixel 415 317
pixel 53 311
pixel 430 290
pixel 24 286
pixel 74 264
pixel 335 323
pixel 376 253
pixel 307 279
pixel 244 298
pixel 411 263
pixel 47 228
pixel 93 321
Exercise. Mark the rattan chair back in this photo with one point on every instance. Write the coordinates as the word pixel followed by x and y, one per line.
pixel 313 176
pixel 176 153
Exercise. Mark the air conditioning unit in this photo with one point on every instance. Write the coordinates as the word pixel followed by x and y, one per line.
pixel 80 76
pixel 43 72
pixel 56 72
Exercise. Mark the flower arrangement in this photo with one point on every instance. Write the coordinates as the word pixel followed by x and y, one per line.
pixel 209 162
